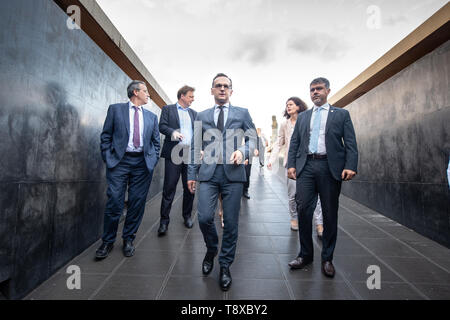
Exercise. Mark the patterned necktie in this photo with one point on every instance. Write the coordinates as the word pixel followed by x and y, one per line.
pixel 136 135
pixel 220 119
pixel 314 139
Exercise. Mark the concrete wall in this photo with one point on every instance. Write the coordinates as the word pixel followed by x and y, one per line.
pixel 56 85
pixel 403 135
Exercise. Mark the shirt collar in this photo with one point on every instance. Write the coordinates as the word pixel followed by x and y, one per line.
pixel 181 108
pixel 226 105
pixel 131 105
pixel 325 106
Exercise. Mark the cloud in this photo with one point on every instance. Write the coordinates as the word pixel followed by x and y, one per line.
pixel 318 44
pixel 255 48
pixel 393 20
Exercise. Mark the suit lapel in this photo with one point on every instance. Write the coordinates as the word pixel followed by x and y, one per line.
pixel 146 124
pixel 211 117
pixel 230 113
pixel 177 116
pixel 126 116
pixel 330 118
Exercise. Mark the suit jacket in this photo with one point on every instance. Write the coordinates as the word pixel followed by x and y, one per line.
pixel 238 118
pixel 168 123
pixel 340 142
pixel 116 131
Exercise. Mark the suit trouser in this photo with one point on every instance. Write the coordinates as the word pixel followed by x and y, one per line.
pixel 171 176
pixel 316 179
pixel 248 170
pixel 292 190
pixel 131 171
pixel 207 201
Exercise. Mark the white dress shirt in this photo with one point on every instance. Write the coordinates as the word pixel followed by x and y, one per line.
pixel 130 147
pixel 321 149
pixel 185 125
pixel 225 113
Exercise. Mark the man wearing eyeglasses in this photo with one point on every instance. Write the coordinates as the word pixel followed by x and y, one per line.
pixel 221 171
pixel 322 154
pixel 130 148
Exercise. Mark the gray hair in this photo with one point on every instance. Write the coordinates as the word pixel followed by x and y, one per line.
pixel 134 85
pixel 321 80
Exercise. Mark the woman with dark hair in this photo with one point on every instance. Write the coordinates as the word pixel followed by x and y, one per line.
pixel 294 106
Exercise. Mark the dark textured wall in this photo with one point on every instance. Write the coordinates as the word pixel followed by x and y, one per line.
pixel 56 85
pixel 403 134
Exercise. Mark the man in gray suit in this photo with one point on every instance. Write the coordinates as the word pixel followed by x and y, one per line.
pixel 220 170
pixel 130 147
pixel 322 154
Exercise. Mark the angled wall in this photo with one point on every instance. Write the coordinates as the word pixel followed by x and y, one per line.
pixel 56 84
pixel 400 107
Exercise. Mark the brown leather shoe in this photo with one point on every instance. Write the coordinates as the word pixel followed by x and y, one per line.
pixel 299 263
pixel 328 269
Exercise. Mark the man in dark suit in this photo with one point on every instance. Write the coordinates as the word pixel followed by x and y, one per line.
pixel 130 147
pixel 220 170
pixel 177 124
pixel 322 154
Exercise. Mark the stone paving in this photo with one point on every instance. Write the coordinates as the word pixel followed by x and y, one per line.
pixel 169 268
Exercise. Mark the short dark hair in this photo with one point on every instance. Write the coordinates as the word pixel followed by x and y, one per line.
pixel 134 85
pixel 183 91
pixel 222 75
pixel 321 80
pixel 299 103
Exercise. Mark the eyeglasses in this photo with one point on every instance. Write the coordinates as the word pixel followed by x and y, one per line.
pixel 219 86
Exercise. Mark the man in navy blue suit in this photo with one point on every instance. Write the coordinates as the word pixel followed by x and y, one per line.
pixel 322 154
pixel 130 148
pixel 177 124
pixel 220 171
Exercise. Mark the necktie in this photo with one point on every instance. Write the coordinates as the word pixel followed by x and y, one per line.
pixel 314 139
pixel 136 135
pixel 220 127
pixel 220 119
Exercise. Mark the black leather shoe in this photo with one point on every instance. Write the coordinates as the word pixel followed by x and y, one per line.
pixel 328 269
pixel 162 229
pixel 246 195
pixel 188 223
pixel 208 263
pixel 225 278
pixel 104 250
pixel 299 263
pixel 128 248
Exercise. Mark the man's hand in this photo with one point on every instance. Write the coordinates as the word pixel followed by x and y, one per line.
pixel 348 175
pixel 246 162
pixel 236 157
pixel 292 173
pixel 176 136
pixel 269 166
pixel 256 152
pixel 191 186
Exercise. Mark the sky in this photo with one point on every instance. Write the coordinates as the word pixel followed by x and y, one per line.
pixel 271 49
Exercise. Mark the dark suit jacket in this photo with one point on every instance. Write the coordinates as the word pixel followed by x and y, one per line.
pixel 340 142
pixel 116 131
pixel 168 123
pixel 238 118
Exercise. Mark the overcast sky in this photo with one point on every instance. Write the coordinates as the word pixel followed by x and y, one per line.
pixel 271 49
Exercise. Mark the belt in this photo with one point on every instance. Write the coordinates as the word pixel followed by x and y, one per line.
pixel 316 156
pixel 134 154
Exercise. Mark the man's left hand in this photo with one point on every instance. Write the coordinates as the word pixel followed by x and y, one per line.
pixel 236 157
pixel 348 175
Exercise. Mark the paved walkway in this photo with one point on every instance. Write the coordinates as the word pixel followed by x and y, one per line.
pixel 411 266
